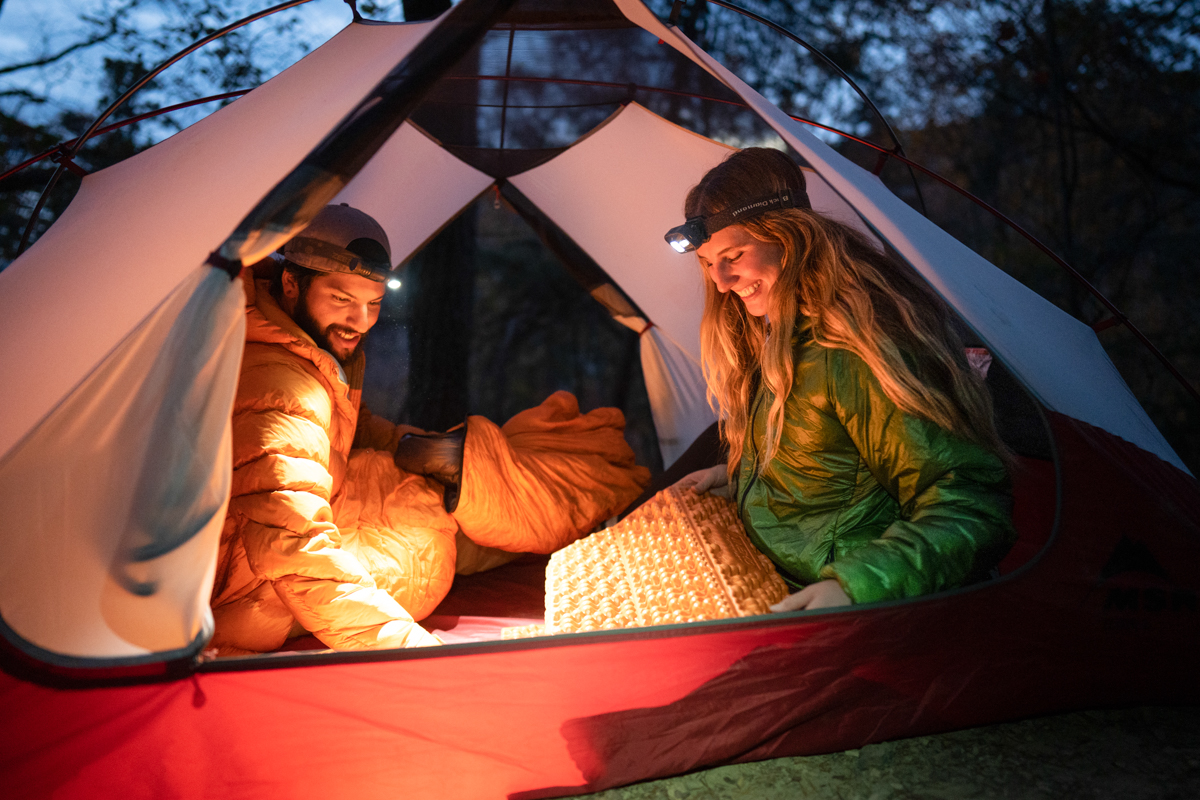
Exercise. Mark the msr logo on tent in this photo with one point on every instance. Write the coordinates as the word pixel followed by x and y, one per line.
pixel 1136 587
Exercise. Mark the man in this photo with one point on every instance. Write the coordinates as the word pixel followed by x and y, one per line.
pixel 324 533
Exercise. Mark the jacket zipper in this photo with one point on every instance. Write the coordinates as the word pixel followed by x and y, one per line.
pixel 787 579
pixel 754 470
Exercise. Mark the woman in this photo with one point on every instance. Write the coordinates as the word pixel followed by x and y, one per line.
pixel 862 452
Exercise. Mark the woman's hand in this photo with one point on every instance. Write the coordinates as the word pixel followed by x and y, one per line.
pixel 705 480
pixel 822 594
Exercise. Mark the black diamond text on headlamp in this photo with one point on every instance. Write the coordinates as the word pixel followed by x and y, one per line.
pixel 698 230
pixel 317 254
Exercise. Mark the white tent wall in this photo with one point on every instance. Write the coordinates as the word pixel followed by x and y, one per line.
pixel 611 192
pixel 677 392
pixel 412 187
pixel 136 230
pixel 1057 357
pixel 137 458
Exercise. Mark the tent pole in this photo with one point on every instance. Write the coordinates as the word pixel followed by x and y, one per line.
pixel 62 147
pixel 73 150
pixel 898 149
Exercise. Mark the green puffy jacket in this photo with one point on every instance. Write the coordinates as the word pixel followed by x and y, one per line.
pixel 888 504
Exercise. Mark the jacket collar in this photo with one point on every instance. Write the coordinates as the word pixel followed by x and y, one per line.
pixel 268 323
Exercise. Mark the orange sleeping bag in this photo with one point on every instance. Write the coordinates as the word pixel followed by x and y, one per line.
pixel 535 485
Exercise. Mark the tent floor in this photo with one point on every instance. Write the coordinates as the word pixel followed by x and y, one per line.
pixel 480 606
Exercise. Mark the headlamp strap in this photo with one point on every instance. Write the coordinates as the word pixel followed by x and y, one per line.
pixel 698 230
pixel 785 198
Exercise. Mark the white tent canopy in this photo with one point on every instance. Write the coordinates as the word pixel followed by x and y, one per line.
pixel 136 230
pixel 83 311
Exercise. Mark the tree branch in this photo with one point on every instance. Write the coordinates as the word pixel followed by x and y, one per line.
pixel 46 60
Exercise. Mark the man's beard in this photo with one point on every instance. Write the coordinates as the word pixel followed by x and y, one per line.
pixel 305 320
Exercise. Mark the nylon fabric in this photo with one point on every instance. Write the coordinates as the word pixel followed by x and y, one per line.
pixel 148 221
pixel 547 477
pixel 887 504
pixel 87 572
pixel 676 389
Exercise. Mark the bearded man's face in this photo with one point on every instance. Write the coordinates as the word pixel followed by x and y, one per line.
pixel 337 311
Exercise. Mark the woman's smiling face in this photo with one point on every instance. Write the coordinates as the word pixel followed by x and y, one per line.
pixel 736 261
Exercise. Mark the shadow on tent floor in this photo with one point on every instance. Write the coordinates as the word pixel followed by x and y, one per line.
pixel 480 606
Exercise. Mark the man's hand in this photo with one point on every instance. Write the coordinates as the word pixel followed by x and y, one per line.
pixel 822 594
pixel 705 480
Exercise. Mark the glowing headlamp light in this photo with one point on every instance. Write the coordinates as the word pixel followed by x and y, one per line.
pixel 688 236
pixel 698 230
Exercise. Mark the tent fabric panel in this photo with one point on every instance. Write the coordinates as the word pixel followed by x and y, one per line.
pixel 1074 377
pixel 677 392
pixel 393 187
pixel 587 712
pixel 135 230
pixel 608 193
pixel 618 191
pixel 114 503
pixel 423 727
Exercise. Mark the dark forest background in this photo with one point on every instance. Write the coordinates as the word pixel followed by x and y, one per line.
pixel 1080 119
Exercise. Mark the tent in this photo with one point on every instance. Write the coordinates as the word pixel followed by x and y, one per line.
pixel 110 543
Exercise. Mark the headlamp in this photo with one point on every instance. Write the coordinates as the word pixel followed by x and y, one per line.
pixel 698 230
pixel 688 236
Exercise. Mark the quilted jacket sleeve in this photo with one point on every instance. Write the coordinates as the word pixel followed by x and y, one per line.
pixel 282 488
pixel 378 433
pixel 955 505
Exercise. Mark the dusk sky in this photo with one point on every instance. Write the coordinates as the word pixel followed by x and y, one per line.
pixel 30 28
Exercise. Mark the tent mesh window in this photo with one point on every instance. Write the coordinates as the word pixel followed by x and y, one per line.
pixel 537 83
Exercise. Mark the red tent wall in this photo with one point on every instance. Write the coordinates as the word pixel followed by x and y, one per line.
pixel 1106 615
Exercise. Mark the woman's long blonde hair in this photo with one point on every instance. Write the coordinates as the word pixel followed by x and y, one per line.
pixel 855 298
